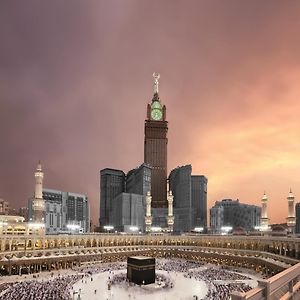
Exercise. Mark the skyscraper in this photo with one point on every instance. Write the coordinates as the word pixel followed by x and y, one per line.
pixel 122 198
pixel 180 185
pixel 138 180
pixel 155 147
pixel 190 199
pixel 199 201
pixel 112 183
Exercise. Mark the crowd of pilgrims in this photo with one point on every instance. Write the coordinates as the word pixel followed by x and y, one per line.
pixel 50 289
pixel 121 279
pixel 220 281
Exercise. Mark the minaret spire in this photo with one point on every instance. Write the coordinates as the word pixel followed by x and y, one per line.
pixel 291 219
pixel 264 220
pixel 156 77
pixel 38 203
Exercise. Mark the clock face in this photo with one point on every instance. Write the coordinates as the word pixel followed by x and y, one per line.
pixel 156 114
pixel 156 105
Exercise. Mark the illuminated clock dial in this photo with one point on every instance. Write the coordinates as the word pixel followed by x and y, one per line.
pixel 156 114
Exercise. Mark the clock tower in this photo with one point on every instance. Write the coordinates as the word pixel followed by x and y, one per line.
pixel 155 147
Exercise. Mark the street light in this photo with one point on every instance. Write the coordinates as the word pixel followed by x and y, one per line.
pixel 73 227
pixel 108 228
pixel 134 228
pixel 156 229
pixel 225 229
pixel 198 229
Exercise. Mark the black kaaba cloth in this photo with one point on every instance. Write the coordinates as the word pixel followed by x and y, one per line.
pixel 141 269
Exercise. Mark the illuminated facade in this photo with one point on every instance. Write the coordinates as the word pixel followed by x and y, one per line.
pixel 65 212
pixel 266 255
pixel 233 215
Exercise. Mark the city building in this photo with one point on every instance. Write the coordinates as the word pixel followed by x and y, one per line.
pixel 123 198
pixel 230 215
pixel 297 210
pixel 128 213
pixel 155 148
pixel 65 212
pixel 199 201
pixel 190 199
pixel 187 193
pixel 180 183
pixel 4 207
pixel 13 225
pixel 112 184
pixel 138 181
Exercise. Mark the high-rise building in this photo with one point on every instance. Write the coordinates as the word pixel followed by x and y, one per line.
pixel 297 209
pixel 187 193
pixel 112 184
pixel 65 212
pixel 124 197
pixel 128 212
pixel 233 214
pixel 138 181
pixel 199 201
pixel 190 199
pixel 77 214
pixel 180 183
pixel 155 148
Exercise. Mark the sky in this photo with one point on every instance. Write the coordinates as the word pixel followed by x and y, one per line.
pixel 76 77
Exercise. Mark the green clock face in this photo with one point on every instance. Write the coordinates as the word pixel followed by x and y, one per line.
pixel 156 114
pixel 156 105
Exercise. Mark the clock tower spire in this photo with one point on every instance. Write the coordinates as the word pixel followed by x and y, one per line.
pixel 156 77
pixel 155 147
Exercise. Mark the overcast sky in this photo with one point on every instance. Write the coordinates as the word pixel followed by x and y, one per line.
pixel 76 77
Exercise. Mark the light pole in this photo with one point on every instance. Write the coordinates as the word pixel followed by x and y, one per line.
pixel 108 228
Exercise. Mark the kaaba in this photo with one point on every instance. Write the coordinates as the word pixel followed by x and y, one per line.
pixel 141 269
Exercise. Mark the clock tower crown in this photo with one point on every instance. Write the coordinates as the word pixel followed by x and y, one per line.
pixel 156 111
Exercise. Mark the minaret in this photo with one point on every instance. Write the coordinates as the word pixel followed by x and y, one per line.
pixel 170 218
pixel 38 203
pixel 264 221
pixel 291 219
pixel 148 217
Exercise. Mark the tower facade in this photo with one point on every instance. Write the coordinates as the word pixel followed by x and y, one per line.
pixel 112 184
pixel 38 203
pixel 155 147
pixel 291 219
